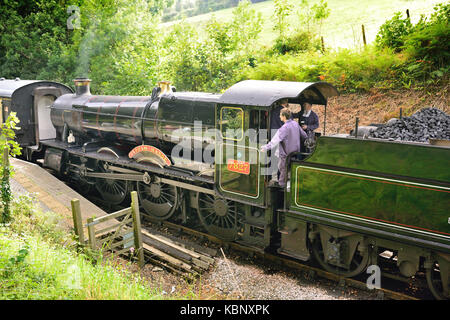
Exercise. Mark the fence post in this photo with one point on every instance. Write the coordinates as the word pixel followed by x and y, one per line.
pixel 137 228
pixel 77 221
pixel 91 232
pixel 363 34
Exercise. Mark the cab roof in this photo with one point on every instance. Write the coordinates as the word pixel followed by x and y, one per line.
pixel 264 93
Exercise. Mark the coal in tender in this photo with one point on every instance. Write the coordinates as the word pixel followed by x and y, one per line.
pixel 425 124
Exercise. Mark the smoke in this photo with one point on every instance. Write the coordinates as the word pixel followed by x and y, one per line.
pixel 90 45
pixel 108 28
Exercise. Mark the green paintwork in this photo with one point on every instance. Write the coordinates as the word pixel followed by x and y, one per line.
pixel 409 160
pixel 234 185
pixel 239 183
pixel 416 207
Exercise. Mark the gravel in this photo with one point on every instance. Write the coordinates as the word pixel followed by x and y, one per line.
pixel 250 280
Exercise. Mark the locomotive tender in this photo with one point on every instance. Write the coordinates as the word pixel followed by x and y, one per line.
pixel 349 202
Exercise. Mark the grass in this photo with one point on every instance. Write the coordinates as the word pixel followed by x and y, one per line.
pixel 34 269
pixel 343 27
pixel 40 260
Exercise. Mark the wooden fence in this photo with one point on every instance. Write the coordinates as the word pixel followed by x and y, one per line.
pixel 116 236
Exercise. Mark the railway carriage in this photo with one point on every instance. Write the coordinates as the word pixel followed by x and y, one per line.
pixel 31 100
pixel 195 157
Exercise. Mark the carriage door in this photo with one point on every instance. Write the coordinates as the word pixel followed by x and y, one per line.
pixel 43 100
pixel 237 155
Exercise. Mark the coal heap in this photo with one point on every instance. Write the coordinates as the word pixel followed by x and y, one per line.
pixel 427 123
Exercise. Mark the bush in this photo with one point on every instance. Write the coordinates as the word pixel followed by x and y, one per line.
pixel 301 41
pixel 430 40
pixel 348 70
pixel 393 32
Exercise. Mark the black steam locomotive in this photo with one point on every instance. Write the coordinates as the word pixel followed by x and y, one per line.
pixel 350 203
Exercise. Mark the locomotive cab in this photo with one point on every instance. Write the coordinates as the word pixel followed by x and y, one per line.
pixel 243 121
pixel 242 171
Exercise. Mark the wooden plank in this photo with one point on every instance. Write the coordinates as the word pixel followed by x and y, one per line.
pixel 91 232
pixel 166 266
pixel 77 220
pixel 202 264
pixel 113 236
pixel 122 251
pixel 114 215
pixel 119 243
pixel 104 230
pixel 171 244
pixel 112 253
pixel 137 228
pixel 117 233
pixel 207 259
pixel 210 252
pixel 167 249
pixel 166 257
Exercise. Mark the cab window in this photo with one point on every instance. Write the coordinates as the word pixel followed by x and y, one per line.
pixel 232 123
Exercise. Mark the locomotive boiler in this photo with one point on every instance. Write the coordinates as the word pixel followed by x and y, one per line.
pixel 350 202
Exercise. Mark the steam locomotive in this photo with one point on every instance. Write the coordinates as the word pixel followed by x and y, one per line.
pixel 350 203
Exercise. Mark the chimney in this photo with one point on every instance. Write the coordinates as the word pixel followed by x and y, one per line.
pixel 165 87
pixel 82 86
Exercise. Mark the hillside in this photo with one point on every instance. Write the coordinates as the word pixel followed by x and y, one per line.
pixel 378 106
pixel 342 28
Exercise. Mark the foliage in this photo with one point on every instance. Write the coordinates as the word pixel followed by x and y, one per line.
pixel 120 47
pixel 429 41
pixel 393 32
pixel 305 34
pixel 300 41
pixel 7 143
pixel 426 44
pixel 39 259
pixel 215 62
pixel 30 33
pixel 34 269
pixel 348 70
pixel 8 135
pixel 313 16
pixel 283 9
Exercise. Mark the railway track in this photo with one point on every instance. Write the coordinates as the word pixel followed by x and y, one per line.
pixel 281 261
pixel 189 259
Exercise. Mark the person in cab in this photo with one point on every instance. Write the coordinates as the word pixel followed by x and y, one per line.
pixel 288 139
pixel 308 120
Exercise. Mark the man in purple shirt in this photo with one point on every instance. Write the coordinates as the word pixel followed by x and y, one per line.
pixel 288 137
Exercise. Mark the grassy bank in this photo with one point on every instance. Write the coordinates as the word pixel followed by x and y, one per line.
pixel 40 260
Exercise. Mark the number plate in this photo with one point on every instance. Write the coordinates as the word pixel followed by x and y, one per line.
pixel 238 166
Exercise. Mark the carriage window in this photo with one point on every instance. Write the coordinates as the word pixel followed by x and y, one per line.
pixel 232 123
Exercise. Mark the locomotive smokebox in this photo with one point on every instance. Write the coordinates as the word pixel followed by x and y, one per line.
pixel 82 86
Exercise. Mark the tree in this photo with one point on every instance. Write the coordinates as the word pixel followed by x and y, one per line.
pixel 283 9
pixel 30 33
